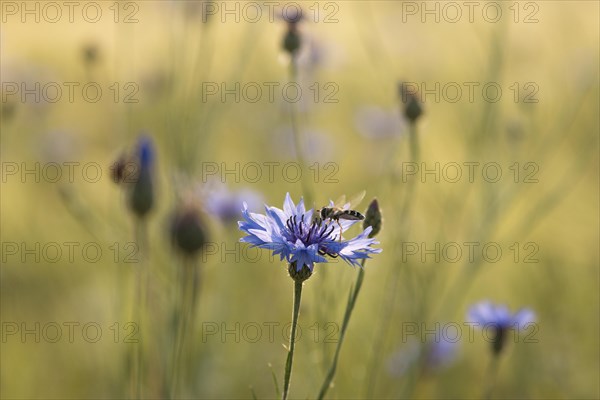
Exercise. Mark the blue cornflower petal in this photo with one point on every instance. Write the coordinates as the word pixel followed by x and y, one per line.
pixel 288 206
pixel 523 318
pixel 482 313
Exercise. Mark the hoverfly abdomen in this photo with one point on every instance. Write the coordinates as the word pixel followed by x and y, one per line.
pixel 352 215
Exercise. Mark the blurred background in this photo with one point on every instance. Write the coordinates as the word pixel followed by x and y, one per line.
pixel 498 201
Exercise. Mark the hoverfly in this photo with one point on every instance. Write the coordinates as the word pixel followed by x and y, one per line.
pixel 341 210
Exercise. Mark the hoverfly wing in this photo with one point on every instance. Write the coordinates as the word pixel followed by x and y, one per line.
pixel 354 200
pixel 339 203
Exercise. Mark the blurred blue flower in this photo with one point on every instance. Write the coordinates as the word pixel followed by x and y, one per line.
pixel 440 352
pixel 500 319
pixel 145 152
pixel 487 313
pixel 227 204
pixel 434 354
pixel 292 234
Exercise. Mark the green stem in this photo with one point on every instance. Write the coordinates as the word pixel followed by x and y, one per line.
pixel 349 308
pixel 184 316
pixel 415 150
pixel 306 187
pixel 141 288
pixel 290 356
pixel 411 184
pixel 491 377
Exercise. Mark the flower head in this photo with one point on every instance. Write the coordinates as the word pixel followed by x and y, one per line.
pixel 141 199
pixel 188 230
pixel 292 39
pixel 90 53
pixel 500 319
pixel 413 106
pixel 297 237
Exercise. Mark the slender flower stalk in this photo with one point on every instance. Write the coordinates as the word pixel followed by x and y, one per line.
pixel 189 237
pixel 306 185
pixel 183 317
pixel 292 42
pixel 140 199
pixel 373 220
pixel 140 304
pixel 412 110
pixel 492 373
pixel 290 357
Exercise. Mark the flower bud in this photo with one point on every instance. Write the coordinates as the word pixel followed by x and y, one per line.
pixel 141 199
pixel 90 53
pixel 413 107
pixel 299 275
pixel 292 41
pixel 373 218
pixel 188 231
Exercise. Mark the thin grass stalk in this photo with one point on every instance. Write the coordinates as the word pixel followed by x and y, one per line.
pixel 347 314
pixel 298 149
